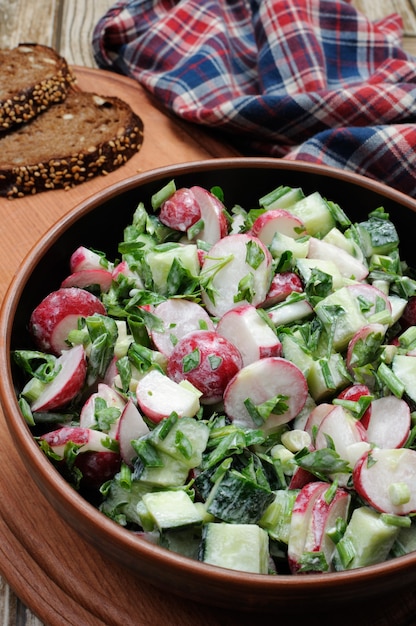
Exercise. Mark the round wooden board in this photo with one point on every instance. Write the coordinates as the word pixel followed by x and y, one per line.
pixel 57 575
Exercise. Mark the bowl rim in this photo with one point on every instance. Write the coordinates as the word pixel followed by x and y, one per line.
pixel 65 496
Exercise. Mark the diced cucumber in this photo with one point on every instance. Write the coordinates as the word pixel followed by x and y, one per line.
pixel 398 305
pixel 283 243
pixel 293 351
pixel 242 547
pixel 276 518
pixel 327 376
pixel 184 541
pixel 172 473
pixel 341 316
pixel 289 312
pixel 121 502
pixel 185 441
pixel 406 539
pixel 305 267
pixel 404 367
pixel 281 198
pixel 172 509
pixel 378 236
pixel 314 212
pixel 239 500
pixel 366 541
pixel 337 238
pixel 160 263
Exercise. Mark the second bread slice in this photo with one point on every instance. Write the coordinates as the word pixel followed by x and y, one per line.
pixel 69 143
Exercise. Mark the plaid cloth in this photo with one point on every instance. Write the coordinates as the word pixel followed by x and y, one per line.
pixel 310 80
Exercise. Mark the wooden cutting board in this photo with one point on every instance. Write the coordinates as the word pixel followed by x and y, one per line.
pixel 57 575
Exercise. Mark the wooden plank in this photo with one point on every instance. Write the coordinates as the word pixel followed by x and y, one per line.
pixel 26 22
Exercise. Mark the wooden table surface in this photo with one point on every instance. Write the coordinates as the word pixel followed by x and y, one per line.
pixel 67 26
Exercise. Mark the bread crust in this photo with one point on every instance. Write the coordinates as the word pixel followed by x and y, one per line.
pixel 26 103
pixel 67 170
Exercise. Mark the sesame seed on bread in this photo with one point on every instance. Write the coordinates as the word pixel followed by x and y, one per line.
pixel 81 137
pixel 32 77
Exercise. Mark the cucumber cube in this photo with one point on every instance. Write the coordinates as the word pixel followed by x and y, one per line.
pixel 172 509
pixel 243 547
pixel 160 263
pixel 327 376
pixel 367 540
pixel 196 435
pixel 343 326
pixel 404 367
pixel 314 212
pixel 305 267
pixel 277 516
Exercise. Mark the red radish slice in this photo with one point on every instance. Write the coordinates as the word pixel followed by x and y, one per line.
pixel 316 416
pixel 123 269
pixel 353 393
pixel 58 314
pixel 90 440
pixel 85 259
pixel 249 332
pixel 343 429
pixel 300 478
pixel 282 285
pixel 385 478
pixel 277 221
pixel 130 426
pixel 67 383
pixel 300 521
pixel 226 269
pixel 179 317
pixel 87 278
pixel 181 210
pixel 371 298
pixel 389 423
pixel 349 266
pixel 158 396
pixel 324 516
pixel 212 214
pixel 208 361
pixel 112 398
pixel 262 381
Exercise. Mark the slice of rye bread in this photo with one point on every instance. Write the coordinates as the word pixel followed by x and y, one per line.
pixel 32 77
pixel 71 142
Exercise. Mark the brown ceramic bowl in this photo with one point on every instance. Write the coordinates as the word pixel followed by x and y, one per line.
pixel 98 222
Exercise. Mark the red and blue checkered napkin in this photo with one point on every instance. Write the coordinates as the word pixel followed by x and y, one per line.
pixel 310 80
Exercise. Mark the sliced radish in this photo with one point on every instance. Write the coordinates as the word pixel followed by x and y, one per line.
pixel 212 214
pixel 158 396
pixel 58 314
pixel 237 270
pixel 385 479
pixel 130 426
pixel 349 266
pixel 364 347
pixel 112 398
pixel 282 285
pixel 389 423
pixel 181 210
pixel 179 317
pixel 353 393
pixel 277 221
pixel 207 360
pixel 301 519
pixel 88 278
pixel 88 439
pixel 67 383
pixel 316 416
pixel 85 259
pixel 260 382
pixel 342 428
pixel 250 333
pixel 123 269
pixel 324 516
pixel 97 467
